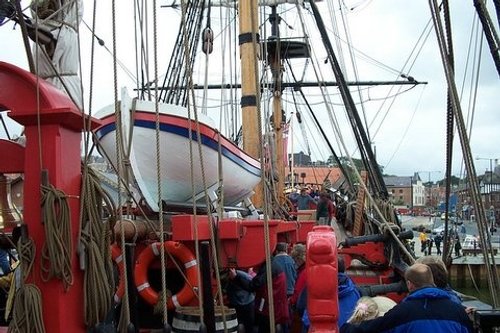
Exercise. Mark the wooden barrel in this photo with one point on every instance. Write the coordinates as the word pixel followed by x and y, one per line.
pixel 187 319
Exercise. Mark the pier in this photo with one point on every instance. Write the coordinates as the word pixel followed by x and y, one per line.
pixel 466 270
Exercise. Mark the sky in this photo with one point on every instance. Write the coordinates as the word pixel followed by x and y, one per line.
pixel 411 138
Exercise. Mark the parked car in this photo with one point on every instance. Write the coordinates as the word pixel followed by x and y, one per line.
pixel 452 218
pixel 470 243
pixel 438 230
pixel 452 230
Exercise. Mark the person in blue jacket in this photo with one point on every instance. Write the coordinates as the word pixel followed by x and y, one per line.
pixel 425 309
pixel 287 265
pixel 347 292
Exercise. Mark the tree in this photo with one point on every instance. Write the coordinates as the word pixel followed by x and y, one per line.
pixel 453 179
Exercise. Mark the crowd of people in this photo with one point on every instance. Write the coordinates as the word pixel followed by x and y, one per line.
pixel 288 282
pixel 427 308
pixel 314 199
pixel 431 305
pixel 428 242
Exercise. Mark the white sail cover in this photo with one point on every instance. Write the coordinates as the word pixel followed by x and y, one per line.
pixel 63 25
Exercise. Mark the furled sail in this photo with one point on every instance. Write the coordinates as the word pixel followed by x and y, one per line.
pixel 58 60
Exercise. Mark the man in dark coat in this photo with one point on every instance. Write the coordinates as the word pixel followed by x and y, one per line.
pixel 325 210
pixel 425 309
pixel 259 286
pixel 242 301
pixel 437 240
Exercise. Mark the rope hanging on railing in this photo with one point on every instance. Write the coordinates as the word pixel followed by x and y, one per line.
pixel 95 245
pixel 57 257
pixel 27 314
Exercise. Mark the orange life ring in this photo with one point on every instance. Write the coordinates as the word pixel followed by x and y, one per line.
pixel 116 255
pixel 180 252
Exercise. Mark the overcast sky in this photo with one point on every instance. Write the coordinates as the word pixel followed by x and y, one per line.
pixel 412 136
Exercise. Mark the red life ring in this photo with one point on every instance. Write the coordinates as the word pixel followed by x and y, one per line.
pixel 180 252
pixel 116 255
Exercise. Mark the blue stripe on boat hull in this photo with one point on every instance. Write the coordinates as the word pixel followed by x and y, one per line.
pixel 184 132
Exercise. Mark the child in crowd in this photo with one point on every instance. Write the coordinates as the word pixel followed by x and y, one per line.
pixel 370 308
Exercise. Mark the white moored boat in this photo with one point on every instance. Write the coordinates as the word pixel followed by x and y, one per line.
pixel 241 172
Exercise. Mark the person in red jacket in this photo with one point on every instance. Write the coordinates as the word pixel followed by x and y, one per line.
pixel 259 286
pixel 325 210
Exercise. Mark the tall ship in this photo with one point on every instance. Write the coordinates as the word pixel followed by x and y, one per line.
pixel 134 212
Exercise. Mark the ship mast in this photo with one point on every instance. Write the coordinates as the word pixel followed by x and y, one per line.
pixel 277 50
pixel 278 121
pixel 250 94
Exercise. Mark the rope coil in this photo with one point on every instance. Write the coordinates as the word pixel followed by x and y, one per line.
pixel 56 258
pixel 27 314
pixel 95 240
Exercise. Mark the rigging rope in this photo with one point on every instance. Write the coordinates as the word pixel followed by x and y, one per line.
pixel 493 277
pixel 268 260
pixel 330 112
pixel 355 70
pixel 173 88
pixel 360 134
pixel 124 322
pixel 192 177
pixel 449 125
pixel 27 314
pixel 385 224
pixel 95 240
pixel 94 235
pixel 57 257
pixel 163 295
pixel 489 32
pixel 211 222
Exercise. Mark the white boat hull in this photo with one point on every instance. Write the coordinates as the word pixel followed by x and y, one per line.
pixel 240 172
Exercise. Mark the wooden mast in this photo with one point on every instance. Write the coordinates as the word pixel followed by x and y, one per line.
pixel 250 95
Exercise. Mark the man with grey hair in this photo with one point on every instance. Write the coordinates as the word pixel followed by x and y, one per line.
pixel 425 309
